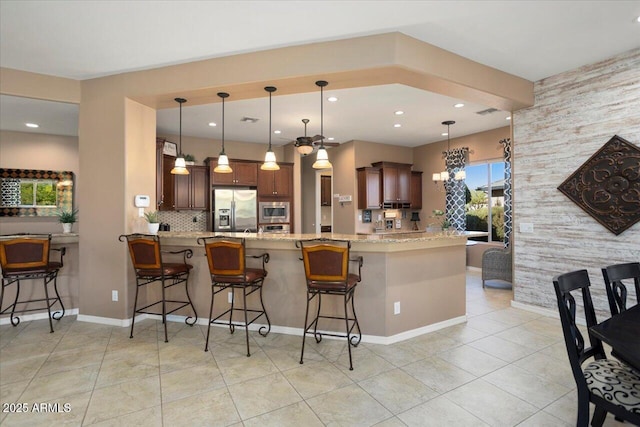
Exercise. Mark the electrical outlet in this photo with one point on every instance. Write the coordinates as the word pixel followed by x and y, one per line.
pixel 114 295
pixel 396 307
pixel 230 297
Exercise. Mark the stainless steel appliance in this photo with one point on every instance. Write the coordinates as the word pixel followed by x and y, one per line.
pixel 274 212
pixel 234 210
pixel 276 228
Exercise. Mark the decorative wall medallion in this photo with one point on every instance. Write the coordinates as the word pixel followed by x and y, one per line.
pixel 607 186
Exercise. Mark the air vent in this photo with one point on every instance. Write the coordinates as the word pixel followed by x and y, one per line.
pixel 249 119
pixel 487 111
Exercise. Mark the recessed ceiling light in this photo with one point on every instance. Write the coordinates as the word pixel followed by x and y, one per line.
pixel 331 138
pixel 32 125
pixel 444 134
pixel 277 132
pixel 397 125
pixel 509 118
pixel 638 19
pixel 458 105
pixel 332 99
pixel 212 124
pixel 399 113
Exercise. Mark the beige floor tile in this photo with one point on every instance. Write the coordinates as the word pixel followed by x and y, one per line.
pixel 20 369
pixel 174 356
pixel 67 360
pixel 438 375
pixel 502 349
pixel 397 391
pixel 433 343
pixel 558 351
pixel 566 408
pixel 213 408
pixel 520 336
pixel 491 404
pixel 545 326
pixel 123 370
pixel 150 417
pixel 122 399
pixel 439 412
pixel 243 368
pixel 296 415
pixel 190 381
pixel 366 364
pixel 548 368
pixel 399 354
pixel 463 333
pixel 348 406
pixel 471 360
pixel 527 386
pixel 10 393
pixel 61 384
pixel 61 411
pixel 391 422
pixel 261 395
pixel 19 350
pixel 313 379
pixel 482 323
pixel 542 419
pixel 73 340
pixel 288 357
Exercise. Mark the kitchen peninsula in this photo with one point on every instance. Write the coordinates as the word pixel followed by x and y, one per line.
pixel 424 272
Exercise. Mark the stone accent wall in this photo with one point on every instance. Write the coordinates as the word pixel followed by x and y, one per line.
pixel 575 114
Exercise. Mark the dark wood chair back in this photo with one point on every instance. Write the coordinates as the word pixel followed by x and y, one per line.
pixel 326 260
pixel 614 275
pixel 145 251
pixel 225 255
pixel 25 254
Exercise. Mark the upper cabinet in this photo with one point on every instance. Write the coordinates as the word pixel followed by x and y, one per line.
pixel 245 173
pixel 369 194
pixel 276 184
pixel 325 190
pixel 192 191
pixel 416 190
pixel 396 184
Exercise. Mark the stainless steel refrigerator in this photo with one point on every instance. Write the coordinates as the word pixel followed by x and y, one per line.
pixel 234 210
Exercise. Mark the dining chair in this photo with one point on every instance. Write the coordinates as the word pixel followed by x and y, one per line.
pixel 150 267
pixel 616 289
pixel 26 257
pixel 609 384
pixel 326 267
pixel 227 261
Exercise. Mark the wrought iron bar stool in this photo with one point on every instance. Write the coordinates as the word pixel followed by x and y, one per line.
pixel 26 257
pixel 228 268
pixel 326 267
pixel 149 265
pixel 614 276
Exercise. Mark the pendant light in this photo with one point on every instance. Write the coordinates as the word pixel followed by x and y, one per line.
pixel 180 167
pixel 444 175
pixel 223 160
pixel 322 158
pixel 270 163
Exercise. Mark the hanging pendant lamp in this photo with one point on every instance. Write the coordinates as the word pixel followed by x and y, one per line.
pixel 322 158
pixel 444 175
pixel 180 167
pixel 223 160
pixel 270 163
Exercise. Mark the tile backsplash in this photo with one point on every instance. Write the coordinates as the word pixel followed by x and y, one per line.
pixel 184 220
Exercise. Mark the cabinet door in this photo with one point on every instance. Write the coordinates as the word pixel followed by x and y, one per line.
pixel 220 178
pixel 282 181
pixel 167 200
pixel 369 189
pixel 265 183
pixel 182 196
pixel 416 190
pixel 325 190
pixel 199 176
pixel 390 184
pixel 245 173
pixel 404 184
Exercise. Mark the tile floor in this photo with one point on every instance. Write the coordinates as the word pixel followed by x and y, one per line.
pixel 504 367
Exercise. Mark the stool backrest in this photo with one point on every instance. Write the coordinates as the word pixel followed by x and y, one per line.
pixel 616 289
pixel 326 260
pixel 225 255
pixel 144 250
pixel 25 253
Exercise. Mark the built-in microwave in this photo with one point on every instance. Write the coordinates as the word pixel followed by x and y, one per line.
pixel 273 212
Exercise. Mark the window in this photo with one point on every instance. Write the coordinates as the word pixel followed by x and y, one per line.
pixel 38 192
pixel 485 200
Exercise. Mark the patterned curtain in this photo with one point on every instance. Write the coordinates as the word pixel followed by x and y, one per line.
pixel 455 160
pixel 508 216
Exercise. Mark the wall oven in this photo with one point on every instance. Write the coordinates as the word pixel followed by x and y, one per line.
pixel 273 212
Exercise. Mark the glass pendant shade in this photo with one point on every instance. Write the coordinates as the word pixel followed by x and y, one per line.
pixel 270 162
pixel 322 160
pixel 305 149
pixel 223 164
pixel 444 175
pixel 460 175
pixel 436 177
pixel 180 167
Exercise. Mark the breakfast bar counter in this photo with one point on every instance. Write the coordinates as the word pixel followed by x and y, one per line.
pixel 423 272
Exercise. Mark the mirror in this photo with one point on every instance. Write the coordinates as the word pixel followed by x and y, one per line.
pixel 31 193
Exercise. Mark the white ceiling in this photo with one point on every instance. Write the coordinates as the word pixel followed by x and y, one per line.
pixel 530 39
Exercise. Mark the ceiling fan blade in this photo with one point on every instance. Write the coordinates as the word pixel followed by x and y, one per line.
pixel 317 138
pixel 331 144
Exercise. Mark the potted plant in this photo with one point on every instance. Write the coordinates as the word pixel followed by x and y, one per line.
pixel 189 159
pixel 444 222
pixel 67 218
pixel 152 221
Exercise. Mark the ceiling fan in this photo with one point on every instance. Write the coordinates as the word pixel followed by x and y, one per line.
pixel 306 144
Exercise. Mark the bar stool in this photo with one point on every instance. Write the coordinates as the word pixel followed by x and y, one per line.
pixel 326 267
pixel 616 289
pixel 27 258
pixel 228 268
pixel 147 259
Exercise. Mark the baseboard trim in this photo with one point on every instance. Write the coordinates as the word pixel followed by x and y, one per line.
pixel 471 268
pixel 544 311
pixel 36 316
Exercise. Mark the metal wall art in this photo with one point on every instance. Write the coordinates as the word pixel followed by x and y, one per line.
pixel 607 186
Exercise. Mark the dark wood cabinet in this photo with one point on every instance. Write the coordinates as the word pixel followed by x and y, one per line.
pixel 369 194
pixel 416 190
pixel 276 184
pixel 396 184
pixel 166 200
pixel 245 173
pixel 192 191
pixel 325 190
